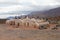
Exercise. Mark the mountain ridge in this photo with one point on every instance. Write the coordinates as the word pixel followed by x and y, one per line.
pixel 49 13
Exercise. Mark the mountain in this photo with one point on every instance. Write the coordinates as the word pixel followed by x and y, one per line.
pixel 48 13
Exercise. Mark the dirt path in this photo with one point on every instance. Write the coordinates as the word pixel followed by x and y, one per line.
pixel 19 34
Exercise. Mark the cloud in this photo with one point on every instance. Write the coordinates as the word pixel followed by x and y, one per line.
pixel 15 8
pixel 8 0
pixel 27 5
pixel 8 6
pixel 39 2
pixel 32 2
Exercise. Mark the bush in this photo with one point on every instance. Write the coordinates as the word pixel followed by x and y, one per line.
pixel 59 22
pixel 43 26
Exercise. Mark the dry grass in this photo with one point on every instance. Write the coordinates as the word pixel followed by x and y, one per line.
pixel 9 33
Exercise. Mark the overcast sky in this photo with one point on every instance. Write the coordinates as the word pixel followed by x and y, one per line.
pixel 27 5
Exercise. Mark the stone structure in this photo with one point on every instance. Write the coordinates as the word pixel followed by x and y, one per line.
pixel 27 22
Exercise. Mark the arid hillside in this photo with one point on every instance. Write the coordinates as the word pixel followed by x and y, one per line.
pixel 48 13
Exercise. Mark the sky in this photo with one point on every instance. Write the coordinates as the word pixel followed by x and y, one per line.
pixel 7 6
pixel 27 5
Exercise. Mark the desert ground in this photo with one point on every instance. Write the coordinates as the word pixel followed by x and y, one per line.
pixel 9 33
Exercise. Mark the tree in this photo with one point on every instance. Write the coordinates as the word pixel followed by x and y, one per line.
pixel 37 16
pixel 15 17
